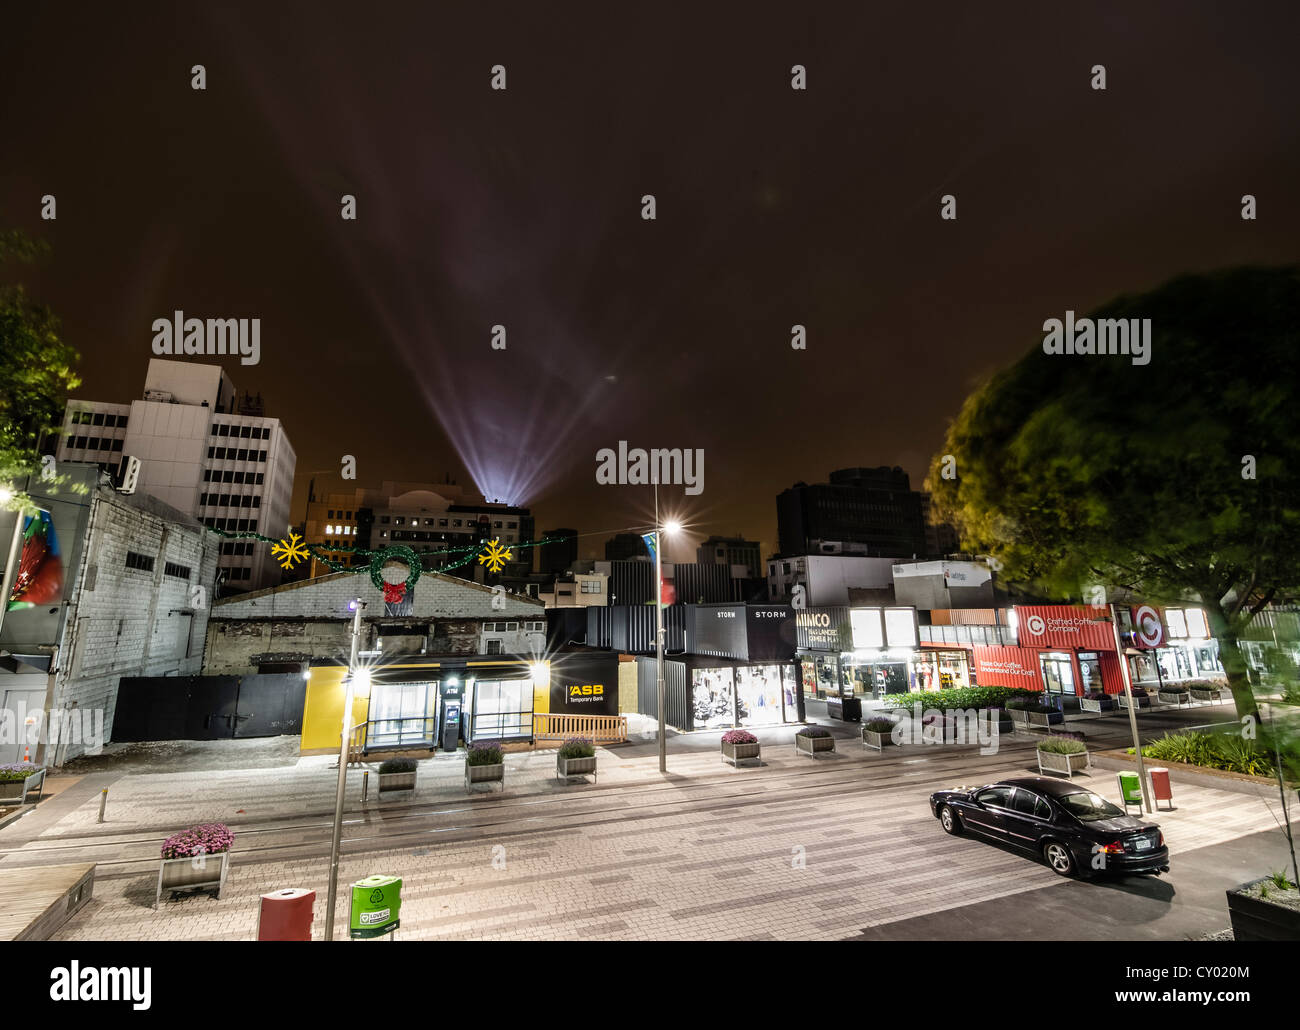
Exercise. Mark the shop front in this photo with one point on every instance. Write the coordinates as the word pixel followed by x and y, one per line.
pixel 1175 645
pixel 705 692
pixel 428 705
pixel 1064 651
pixel 850 655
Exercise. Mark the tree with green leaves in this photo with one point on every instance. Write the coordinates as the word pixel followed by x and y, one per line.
pixel 37 370
pixel 1176 480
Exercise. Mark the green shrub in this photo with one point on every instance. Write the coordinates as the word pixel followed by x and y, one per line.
pixel 577 747
pixel 397 765
pixel 813 731
pixel 879 725
pixel 1213 751
pixel 1062 746
pixel 18 771
pixel 978 698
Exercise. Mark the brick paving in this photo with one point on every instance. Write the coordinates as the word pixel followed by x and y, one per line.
pixel 795 849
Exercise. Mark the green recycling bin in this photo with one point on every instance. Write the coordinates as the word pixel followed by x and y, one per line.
pixel 1130 788
pixel 376 905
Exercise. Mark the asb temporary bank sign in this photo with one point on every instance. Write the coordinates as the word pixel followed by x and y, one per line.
pixel 1065 627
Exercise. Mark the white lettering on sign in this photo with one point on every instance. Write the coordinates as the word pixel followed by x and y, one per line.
pixel 726 615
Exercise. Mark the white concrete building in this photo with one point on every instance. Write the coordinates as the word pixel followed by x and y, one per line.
pixel 203 451
pixel 826 578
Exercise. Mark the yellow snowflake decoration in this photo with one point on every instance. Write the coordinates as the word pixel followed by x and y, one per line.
pixel 290 551
pixel 495 557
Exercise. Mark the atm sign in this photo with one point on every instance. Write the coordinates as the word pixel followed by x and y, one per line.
pixel 587 690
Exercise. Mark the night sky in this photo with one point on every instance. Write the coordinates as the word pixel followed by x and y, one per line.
pixel 775 207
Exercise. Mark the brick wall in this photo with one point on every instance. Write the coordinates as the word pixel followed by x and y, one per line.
pixel 125 621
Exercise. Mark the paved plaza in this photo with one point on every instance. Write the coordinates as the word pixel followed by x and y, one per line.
pixel 798 848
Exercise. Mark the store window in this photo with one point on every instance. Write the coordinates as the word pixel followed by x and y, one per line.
pixel 1057 673
pixel 758 696
pixel 713 698
pixel 502 709
pixel 1089 671
pixel 401 715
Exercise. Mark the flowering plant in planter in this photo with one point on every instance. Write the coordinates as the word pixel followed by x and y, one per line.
pixel 739 737
pixel 17 771
pixel 484 752
pixel 204 839
pixel 577 747
pixel 813 731
pixel 879 725
pixel 1059 744
pixel 397 765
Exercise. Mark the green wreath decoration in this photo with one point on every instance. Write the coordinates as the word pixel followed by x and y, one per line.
pixel 398 552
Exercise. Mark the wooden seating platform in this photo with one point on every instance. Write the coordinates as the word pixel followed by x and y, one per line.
pixel 36 900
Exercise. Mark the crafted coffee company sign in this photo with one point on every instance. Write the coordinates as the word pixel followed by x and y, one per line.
pixel 1062 625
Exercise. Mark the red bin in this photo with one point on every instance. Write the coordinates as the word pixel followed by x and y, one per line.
pixel 286 915
pixel 1160 788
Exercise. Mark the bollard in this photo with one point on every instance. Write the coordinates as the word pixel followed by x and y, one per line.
pixel 103 800
pixel 365 784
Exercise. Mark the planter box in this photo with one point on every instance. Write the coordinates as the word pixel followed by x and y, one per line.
pixel 1214 696
pixel 16 792
pixel 1068 764
pixel 879 741
pixel 812 745
pixel 1140 700
pixel 396 781
pixel 1042 720
pixel 1168 698
pixel 566 767
pixel 202 872
pixel 485 774
pixel 1098 705
pixel 1258 919
pixel 737 753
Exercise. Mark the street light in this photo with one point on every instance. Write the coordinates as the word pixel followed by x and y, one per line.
pixel 672 526
pixel 1128 693
pixel 356 678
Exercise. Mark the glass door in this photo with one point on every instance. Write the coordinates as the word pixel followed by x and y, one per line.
pixel 400 716
pixel 1058 674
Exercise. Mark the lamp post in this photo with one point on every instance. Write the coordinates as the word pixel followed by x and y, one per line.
pixel 660 693
pixel 352 678
pixel 1132 714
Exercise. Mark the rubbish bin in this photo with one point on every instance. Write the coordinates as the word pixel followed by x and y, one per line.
pixel 376 906
pixel 1160 787
pixel 1130 789
pixel 286 915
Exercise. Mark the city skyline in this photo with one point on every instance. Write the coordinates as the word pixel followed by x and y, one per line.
pixel 775 207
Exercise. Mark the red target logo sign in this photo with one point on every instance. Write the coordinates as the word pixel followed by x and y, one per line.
pixel 1148 630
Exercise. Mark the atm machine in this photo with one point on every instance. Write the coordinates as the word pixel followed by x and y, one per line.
pixel 450 706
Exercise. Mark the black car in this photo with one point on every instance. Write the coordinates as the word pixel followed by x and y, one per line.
pixel 1074 830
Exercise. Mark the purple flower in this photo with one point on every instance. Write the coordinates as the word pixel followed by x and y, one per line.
pixel 204 839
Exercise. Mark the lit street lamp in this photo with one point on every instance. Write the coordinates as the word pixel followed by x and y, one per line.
pixel 356 677
pixel 671 527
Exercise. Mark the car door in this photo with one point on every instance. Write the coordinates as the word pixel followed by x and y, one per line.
pixel 1024 822
pixel 987 815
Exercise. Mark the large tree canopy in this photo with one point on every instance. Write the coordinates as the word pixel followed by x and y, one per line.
pixel 37 369
pixel 1176 479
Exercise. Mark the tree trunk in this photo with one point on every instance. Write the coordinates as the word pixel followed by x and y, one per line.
pixel 1226 631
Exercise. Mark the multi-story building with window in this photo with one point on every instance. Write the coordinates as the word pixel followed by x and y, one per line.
pixel 732 550
pixel 203 450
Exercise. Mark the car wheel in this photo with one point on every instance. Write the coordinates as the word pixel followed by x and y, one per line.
pixel 1059 858
pixel 950 820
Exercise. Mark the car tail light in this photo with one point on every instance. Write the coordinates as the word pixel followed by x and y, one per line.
pixel 1160 838
pixel 1114 848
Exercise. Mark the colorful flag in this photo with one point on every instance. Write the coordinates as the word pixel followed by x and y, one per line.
pixel 40 569
pixel 649 539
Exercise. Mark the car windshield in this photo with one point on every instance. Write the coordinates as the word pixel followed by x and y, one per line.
pixel 1088 807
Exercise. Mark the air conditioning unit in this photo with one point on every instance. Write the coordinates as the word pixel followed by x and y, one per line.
pixel 127 475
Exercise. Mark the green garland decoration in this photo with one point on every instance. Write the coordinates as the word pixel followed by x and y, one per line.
pixel 397 552
pixel 375 558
